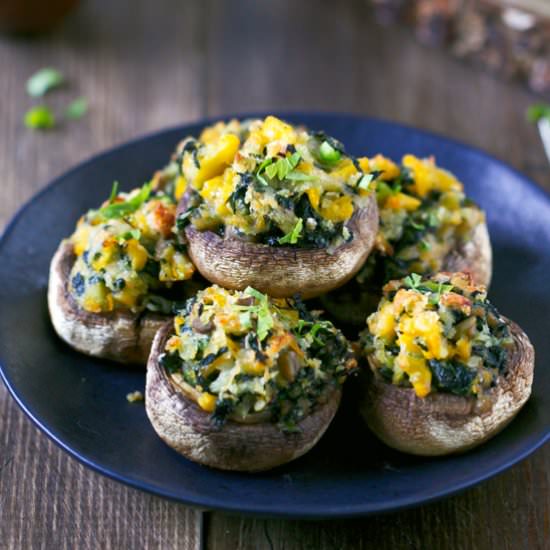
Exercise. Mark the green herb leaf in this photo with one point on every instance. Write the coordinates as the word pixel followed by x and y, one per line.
pixel 538 111
pixel 314 328
pixel 244 320
pixel 120 209
pixel 321 325
pixel 133 234
pixel 77 109
pixel 249 291
pixel 264 320
pixel 294 235
pixel 299 176
pixel 266 162
pixel 383 191
pixel 293 160
pixel 424 245
pixel 417 226
pixel 437 289
pixel 272 170
pixel 262 180
pixel 39 118
pixel 299 327
pixel 412 280
pixel 281 168
pixel 328 154
pixel 264 324
pixel 114 192
pixel 44 80
pixel 433 220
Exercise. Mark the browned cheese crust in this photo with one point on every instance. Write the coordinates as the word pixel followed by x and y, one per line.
pixel 249 447
pixel 282 271
pixel 443 423
pixel 120 335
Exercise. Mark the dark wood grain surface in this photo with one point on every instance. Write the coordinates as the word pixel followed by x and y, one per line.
pixel 144 65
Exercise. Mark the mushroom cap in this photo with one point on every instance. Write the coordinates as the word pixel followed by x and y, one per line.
pixel 282 271
pixel 474 256
pixel 443 423
pixel 352 304
pixel 118 335
pixel 249 447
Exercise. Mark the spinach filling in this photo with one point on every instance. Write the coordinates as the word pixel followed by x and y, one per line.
pixel 274 184
pixel 246 354
pixel 424 215
pixel 127 256
pixel 438 335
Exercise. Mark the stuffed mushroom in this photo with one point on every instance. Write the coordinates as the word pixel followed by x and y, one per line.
pixel 114 281
pixel 427 225
pixel 275 207
pixel 447 371
pixel 242 381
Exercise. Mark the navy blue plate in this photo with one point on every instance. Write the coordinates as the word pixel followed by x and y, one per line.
pixel 81 402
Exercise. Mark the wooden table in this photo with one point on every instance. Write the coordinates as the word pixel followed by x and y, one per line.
pixel 144 65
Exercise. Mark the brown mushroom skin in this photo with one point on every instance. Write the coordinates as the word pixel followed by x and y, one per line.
pixel 189 430
pixel 121 336
pixel 474 257
pixel 282 271
pixel 442 423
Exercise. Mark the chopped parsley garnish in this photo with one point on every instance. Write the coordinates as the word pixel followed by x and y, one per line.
pixel 264 320
pixel 114 192
pixel 416 225
pixel 424 245
pixel 77 108
pixel 133 234
pixel 313 328
pixel 261 168
pixel 39 118
pixel 300 176
pixel 328 153
pixel 294 235
pixel 120 209
pixel 281 168
pixel 412 281
pixel 43 81
pixel 383 190
pixel 437 289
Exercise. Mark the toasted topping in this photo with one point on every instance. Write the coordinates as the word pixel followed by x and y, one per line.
pixel 273 183
pixel 424 215
pixel 437 334
pixel 126 253
pixel 246 356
